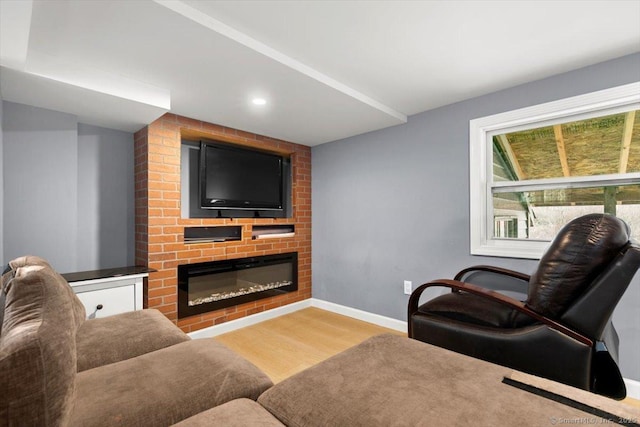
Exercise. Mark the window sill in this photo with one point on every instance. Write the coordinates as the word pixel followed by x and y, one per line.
pixel 511 249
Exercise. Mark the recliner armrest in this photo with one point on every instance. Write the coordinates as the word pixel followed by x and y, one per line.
pixel 458 286
pixel 508 282
pixel 493 269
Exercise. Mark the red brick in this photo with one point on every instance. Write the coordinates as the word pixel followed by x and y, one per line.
pixel 160 228
pixel 159 292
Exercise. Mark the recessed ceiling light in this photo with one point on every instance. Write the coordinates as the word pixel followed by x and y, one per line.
pixel 259 101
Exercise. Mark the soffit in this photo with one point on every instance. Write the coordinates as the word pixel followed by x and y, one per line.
pixel 329 70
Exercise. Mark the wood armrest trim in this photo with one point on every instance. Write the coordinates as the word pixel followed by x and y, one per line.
pixel 494 296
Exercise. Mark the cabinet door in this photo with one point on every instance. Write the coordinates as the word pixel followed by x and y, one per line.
pixel 107 302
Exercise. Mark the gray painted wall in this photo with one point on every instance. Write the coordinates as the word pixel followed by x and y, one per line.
pixel 68 190
pixel 393 205
pixel 106 226
pixel 40 153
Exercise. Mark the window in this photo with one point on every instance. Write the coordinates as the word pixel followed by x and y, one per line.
pixel 533 170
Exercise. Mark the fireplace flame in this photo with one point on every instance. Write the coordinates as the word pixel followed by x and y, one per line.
pixel 242 291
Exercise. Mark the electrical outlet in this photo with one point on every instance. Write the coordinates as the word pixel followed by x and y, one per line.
pixel 407 287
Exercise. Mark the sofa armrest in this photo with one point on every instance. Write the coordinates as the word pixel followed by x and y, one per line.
pixel 111 339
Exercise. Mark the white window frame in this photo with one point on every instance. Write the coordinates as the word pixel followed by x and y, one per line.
pixel 481 130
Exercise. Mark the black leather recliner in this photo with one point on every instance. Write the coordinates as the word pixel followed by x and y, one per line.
pixel 563 330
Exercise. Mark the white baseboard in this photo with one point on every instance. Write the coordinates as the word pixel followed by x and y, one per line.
pixel 243 322
pixel 376 319
pixel 633 386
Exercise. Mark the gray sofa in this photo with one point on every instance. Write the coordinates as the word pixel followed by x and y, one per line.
pixel 389 380
pixel 138 369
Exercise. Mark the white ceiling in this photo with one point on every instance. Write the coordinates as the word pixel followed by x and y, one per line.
pixel 328 69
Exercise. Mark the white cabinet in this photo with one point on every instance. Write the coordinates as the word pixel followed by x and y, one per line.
pixel 105 302
pixel 106 296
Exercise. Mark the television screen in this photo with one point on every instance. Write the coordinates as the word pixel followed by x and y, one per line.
pixel 239 178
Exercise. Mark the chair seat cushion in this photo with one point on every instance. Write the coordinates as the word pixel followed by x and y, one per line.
pixel 469 308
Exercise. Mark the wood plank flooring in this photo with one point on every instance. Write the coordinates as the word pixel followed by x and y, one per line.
pixel 291 343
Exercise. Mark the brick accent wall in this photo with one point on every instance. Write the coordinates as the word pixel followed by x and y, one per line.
pixel 160 228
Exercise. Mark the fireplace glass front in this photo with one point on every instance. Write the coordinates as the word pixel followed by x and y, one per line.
pixel 209 286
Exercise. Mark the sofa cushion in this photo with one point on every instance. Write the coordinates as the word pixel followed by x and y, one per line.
pixel 165 386
pixel 237 413
pixel 389 380
pixel 111 339
pixel 37 345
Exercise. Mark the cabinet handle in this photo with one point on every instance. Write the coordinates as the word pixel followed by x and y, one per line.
pixel 99 307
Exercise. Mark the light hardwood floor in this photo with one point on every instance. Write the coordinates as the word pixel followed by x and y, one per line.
pixel 291 343
pixel 288 344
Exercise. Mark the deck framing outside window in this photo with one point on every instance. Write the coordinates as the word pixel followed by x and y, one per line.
pixel 534 169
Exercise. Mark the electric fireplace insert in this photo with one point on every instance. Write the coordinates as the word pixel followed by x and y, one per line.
pixel 209 286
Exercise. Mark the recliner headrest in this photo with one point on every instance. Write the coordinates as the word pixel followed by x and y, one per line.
pixel 578 254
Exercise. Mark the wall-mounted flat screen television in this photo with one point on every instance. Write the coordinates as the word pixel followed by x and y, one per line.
pixel 234 177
